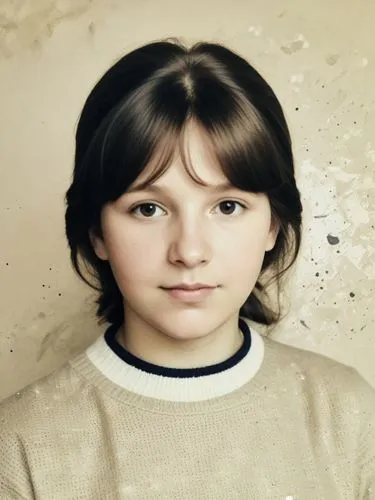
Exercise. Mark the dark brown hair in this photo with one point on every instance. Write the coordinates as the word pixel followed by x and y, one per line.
pixel 138 112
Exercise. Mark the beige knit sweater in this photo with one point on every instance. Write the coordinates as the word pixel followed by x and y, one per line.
pixel 273 422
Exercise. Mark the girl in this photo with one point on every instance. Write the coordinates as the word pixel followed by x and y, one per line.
pixel 183 202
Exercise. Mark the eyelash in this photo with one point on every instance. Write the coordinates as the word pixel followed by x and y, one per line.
pixel 136 207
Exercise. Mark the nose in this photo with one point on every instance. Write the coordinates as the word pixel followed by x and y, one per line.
pixel 189 245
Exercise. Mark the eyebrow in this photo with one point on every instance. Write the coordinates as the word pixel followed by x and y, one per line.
pixel 154 188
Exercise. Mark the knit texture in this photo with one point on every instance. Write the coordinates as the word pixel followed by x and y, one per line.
pixel 273 422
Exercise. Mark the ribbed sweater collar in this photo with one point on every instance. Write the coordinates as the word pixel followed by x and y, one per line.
pixel 171 384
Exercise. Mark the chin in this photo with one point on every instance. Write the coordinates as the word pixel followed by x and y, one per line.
pixel 189 326
pixel 187 335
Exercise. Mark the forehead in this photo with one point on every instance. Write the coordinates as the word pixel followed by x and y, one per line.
pixel 193 162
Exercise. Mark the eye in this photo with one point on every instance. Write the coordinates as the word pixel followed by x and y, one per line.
pixel 146 210
pixel 228 207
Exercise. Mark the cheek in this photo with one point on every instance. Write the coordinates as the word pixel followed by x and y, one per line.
pixel 132 260
pixel 247 254
pixel 246 262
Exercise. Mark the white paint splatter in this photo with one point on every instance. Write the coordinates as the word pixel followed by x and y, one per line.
pixel 272 45
pixel 255 30
pixel 357 252
pixel 370 153
pixel 299 78
pixel 353 132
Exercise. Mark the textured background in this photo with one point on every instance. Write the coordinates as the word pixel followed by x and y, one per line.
pixel 320 59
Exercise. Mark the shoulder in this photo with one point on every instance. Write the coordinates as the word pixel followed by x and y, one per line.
pixel 336 401
pixel 37 416
pixel 322 377
pixel 40 409
pixel 43 399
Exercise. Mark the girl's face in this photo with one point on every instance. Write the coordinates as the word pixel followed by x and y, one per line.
pixel 177 231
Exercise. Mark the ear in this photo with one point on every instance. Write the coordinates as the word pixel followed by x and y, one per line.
pixel 272 235
pixel 98 245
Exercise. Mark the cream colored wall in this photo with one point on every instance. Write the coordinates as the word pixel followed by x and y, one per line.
pixel 319 57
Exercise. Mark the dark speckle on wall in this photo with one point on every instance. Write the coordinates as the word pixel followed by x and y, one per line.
pixel 292 47
pixel 332 59
pixel 332 240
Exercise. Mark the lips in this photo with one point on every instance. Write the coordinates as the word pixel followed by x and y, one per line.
pixel 192 287
pixel 194 293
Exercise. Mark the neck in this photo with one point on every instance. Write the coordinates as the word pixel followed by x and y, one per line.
pixel 176 350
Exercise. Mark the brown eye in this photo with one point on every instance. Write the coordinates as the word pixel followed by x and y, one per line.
pixel 228 207
pixel 146 210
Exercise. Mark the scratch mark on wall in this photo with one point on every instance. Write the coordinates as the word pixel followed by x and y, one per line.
pixel 50 339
